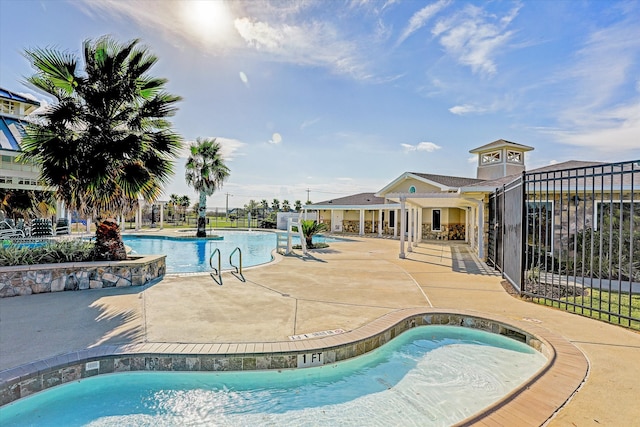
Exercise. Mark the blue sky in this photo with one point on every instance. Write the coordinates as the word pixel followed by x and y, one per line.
pixel 341 97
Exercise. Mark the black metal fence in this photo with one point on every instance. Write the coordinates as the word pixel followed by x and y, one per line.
pixel 570 238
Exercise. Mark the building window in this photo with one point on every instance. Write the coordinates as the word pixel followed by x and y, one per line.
pixel 412 189
pixel 540 224
pixel 493 157
pixel 27 181
pixel 610 214
pixel 514 156
pixel 435 220
pixel 8 107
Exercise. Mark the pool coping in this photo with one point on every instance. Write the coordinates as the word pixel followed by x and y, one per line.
pixel 532 403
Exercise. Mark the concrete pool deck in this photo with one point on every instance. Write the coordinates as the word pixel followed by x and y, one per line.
pixel 347 286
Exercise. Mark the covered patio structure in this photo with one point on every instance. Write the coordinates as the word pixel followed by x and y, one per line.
pixel 413 224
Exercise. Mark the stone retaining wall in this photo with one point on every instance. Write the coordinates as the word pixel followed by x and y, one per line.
pixel 36 279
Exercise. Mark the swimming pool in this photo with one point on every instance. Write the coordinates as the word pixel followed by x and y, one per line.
pixel 191 255
pixel 429 375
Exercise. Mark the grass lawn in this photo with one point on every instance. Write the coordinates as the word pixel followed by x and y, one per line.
pixel 601 300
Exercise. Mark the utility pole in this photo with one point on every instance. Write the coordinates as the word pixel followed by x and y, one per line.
pixel 308 191
pixel 227 207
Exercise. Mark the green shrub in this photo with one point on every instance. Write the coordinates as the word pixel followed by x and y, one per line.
pixel 49 253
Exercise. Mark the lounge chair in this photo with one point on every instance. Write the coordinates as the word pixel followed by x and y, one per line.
pixel 41 227
pixel 8 231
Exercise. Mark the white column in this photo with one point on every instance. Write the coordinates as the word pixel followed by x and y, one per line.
pixel 361 231
pixel 420 224
pixel 402 226
pixel 480 229
pixel 410 230
pixel 396 216
pixel 380 222
pixel 414 221
pixel 467 211
pixel 139 216
pixel 89 224
pixel 373 221
pixel 331 227
pixel 161 216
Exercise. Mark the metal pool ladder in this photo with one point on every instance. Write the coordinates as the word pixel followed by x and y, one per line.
pixel 217 272
pixel 238 272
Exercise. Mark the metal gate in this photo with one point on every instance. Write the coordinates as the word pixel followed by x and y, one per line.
pixel 505 231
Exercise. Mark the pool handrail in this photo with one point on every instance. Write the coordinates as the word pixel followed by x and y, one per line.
pixel 238 273
pixel 217 272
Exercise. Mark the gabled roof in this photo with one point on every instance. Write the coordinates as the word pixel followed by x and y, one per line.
pixel 569 164
pixel 7 94
pixel 447 181
pixel 492 184
pixel 500 143
pixel 443 182
pixel 361 199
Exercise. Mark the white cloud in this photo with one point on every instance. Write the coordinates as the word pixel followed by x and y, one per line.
pixel 312 43
pixel 308 123
pixel 474 37
pixel 229 148
pixel 472 159
pixel 421 17
pixel 244 78
pixel 616 129
pixel 429 147
pixel 29 96
pixel 219 27
pixel 603 114
pixel 203 24
pixel 461 110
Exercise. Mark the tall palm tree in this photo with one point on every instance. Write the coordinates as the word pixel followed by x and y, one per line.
pixel 285 206
pixel 107 140
pixel 205 172
pixel 252 208
pixel 275 205
pixel 174 201
pixel 185 202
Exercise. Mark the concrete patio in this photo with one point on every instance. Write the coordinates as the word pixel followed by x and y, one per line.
pixel 345 286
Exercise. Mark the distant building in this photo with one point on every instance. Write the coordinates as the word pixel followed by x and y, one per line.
pixel 437 207
pixel 14 110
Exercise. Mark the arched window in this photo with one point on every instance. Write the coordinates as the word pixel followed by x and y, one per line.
pixel 412 189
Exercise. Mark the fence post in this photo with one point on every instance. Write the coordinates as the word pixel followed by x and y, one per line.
pixel 523 232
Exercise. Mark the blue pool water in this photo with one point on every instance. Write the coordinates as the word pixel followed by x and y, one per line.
pixel 429 376
pixel 185 255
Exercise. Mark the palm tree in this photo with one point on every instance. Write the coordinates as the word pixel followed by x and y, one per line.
pixel 106 141
pixel 310 228
pixel 174 201
pixel 285 206
pixel 275 205
pixel 206 172
pixel 297 205
pixel 184 203
pixel 252 208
